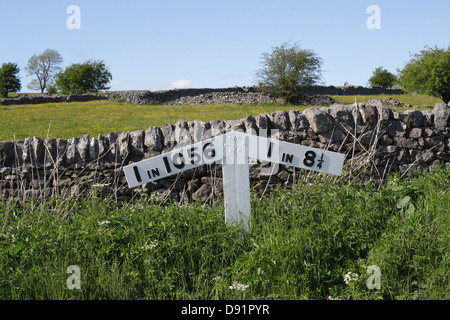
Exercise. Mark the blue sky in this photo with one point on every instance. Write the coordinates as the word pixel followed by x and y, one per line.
pixel 157 44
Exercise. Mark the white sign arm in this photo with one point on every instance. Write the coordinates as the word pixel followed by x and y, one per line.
pixel 175 161
pixel 295 155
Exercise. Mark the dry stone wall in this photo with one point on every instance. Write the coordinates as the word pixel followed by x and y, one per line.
pixel 317 95
pixel 369 132
pixel 354 90
pixel 38 99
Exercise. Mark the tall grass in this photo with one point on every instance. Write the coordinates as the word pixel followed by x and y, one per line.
pixel 301 244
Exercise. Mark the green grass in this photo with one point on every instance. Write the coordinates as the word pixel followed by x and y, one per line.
pixel 75 119
pixel 411 99
pixel 301 244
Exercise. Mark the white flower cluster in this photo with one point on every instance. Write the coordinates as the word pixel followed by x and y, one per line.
pixel 238 286
pixel 350 277
pixel 150 246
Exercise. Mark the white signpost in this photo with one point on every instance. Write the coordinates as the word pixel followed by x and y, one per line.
pixel 233 150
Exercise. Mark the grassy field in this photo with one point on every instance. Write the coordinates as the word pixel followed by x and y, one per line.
pixel 303 244
pixel 75 119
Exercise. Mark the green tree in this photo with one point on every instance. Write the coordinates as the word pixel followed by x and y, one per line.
pixel 44 67
pixel 287 68
pixel 428 72
pixel 382 77
pixel 90 76
pixel 9 79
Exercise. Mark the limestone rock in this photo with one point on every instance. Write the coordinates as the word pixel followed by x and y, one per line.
pixel 396 129
pixel 298 120
pixel 93 148
pixel 235 125
pixel 250 125
pixel 154 139
pixel 218 127
pixel 169 136
pixel 413 118
pixel 441 113
pixel 123 141
pixel 320 120
pixel 280 120
pixel 262 121
pixel 369 113
pixel 71 153
pixel 83 147
pixel 343 114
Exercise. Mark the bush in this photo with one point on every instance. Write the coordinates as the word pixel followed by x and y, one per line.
pixel 51 89
pixel 9 79
pixel 428 72
pixel 287 68
pixel 383 78
pixel 91 76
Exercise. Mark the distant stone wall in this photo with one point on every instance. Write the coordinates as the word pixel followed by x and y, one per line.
pixel 317 95
pixel 39 99
pixel 237 95
pixel 353 90
pixel 369 133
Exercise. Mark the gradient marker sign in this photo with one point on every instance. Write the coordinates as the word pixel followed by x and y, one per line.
pixel 233 150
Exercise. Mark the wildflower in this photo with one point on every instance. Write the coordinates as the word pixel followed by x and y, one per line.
pixel 150 246
pixel 350 277
pixel 260 271
pixel 100 223
pixel 238 286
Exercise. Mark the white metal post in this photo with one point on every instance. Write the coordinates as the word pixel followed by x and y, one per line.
pixel 236 182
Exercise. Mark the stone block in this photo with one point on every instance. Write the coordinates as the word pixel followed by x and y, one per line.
pixel 441 113
pixel 320 120
pixel 154 139
pixel 414 133
pixel 396 129
pixel 413 118
pixel 83 147
pixel 407 143
pixel 280 120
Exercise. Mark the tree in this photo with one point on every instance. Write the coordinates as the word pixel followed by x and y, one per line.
pixel 287 68
pixel 9 79
pixel 90 76
pixel 428 72
pixel 382 77
pixel 44 67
